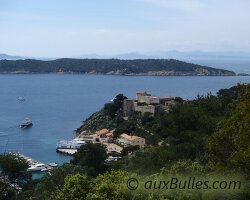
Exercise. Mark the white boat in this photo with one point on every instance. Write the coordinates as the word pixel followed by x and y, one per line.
pixel 26 123
pixel 21 99
pixel 37 167
pixel 53 164
pixel 44 170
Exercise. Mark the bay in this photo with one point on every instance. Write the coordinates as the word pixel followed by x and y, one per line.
pixel 57 104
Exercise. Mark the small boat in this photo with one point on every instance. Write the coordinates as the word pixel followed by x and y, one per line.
pixel 21 99
pixel 44 170
pixel 53 164
pixel 26 123
pixel 37 167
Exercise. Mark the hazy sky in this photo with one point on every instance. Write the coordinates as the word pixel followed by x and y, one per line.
pixel 75 27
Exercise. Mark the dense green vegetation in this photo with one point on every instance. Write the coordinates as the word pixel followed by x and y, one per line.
pixel 91 157
pixel 109 66
pixel 207 137
pixel 13 175
pixel 229 146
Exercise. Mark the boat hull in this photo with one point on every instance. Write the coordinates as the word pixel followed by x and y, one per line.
pixel 26 126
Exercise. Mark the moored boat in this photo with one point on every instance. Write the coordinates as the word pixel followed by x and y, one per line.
pixel 53 164
pixel 21 99
pixel 44 170
pixel 37 167
pixel 26 123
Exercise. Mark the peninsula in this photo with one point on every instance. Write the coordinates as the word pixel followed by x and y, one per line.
pixel 144 67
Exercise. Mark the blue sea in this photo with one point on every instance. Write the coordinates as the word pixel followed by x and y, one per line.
pixel 57 104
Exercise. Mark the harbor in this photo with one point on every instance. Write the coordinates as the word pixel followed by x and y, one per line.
pixel 36 166
pixel 103 136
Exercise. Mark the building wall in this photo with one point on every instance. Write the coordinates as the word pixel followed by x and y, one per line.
pixel 167 102
pixel 151 100
pixel 128 107
pixel 146 108
pixel 140 96
pixel 138 141
pixel 147 98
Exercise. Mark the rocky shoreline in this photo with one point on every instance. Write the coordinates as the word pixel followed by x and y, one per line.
pixel 151 73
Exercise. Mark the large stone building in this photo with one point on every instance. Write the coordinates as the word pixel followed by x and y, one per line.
pixel 144 97
pixel 145 103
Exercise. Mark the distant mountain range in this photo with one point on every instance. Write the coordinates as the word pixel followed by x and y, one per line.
pixel 200 54
pixel 4 56
pixel 9 57
pixel 150 55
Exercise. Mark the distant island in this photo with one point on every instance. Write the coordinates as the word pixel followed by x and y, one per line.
pixel 144 67
pixel 243 74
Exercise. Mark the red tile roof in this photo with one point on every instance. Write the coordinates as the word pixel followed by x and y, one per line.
pixel 128 137
pixel 140 92
pixel 102 132
pixel 167 98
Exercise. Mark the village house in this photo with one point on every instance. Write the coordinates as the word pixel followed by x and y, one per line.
pixel 100 136
pixel 128 140
pixel 113 148
pixel 104 135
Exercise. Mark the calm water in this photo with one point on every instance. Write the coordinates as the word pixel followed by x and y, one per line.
pixel 58 103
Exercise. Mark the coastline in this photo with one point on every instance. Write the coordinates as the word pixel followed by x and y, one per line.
pixel 115 74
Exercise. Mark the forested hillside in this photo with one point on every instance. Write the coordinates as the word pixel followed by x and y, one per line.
pixel 157 67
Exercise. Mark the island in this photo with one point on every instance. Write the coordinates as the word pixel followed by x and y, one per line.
pixel 243 74
pixel 143 67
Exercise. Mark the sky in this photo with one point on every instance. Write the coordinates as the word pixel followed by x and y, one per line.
pixel 64 28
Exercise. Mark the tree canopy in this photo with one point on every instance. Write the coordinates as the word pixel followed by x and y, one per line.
pixel 14 168
pixel 230 145
pixel 92 157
